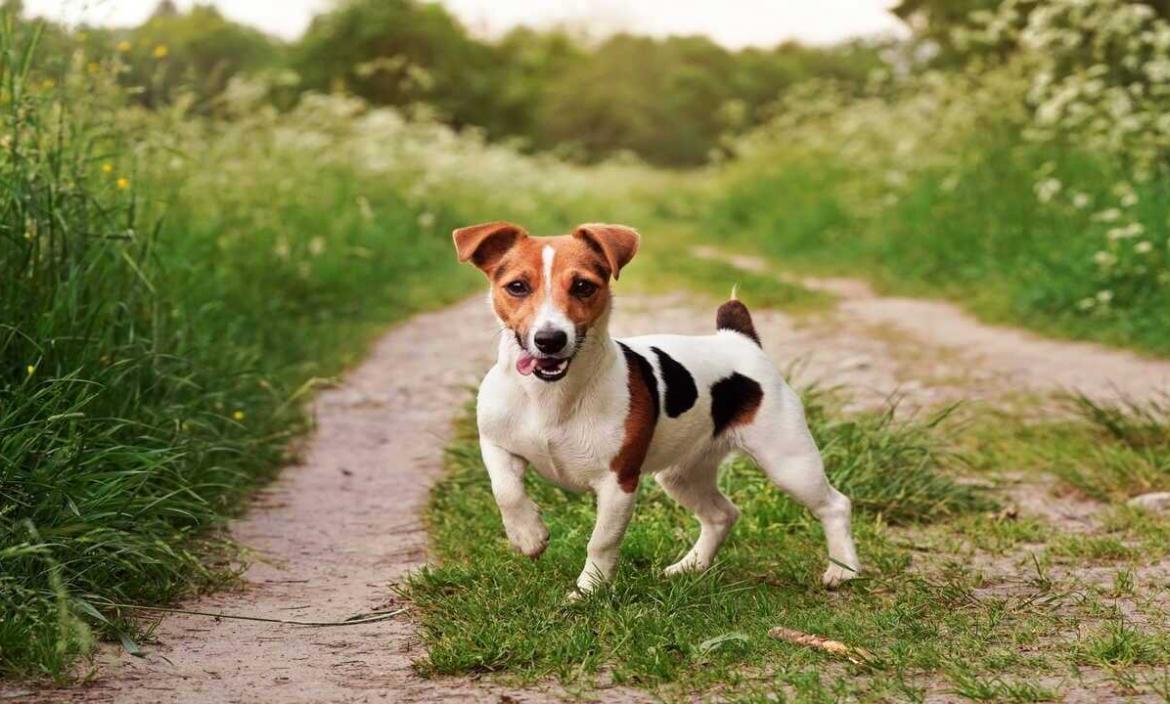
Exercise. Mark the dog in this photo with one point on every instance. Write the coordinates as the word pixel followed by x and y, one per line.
pixel 590 412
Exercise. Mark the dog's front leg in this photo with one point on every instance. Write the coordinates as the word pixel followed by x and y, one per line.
pixel 522 523
pixel 614 508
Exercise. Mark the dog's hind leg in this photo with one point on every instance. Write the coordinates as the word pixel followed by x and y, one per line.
pixel 696 488
pixel 779 440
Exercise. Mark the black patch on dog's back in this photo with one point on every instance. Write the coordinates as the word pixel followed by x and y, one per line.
pixel 681 392
pixel 734 401
pixel 646 372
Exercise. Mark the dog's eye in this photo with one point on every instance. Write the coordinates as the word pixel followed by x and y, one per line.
pixel 582 288
pixel 518 289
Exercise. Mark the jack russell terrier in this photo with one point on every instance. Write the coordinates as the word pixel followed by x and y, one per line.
pixel 591 412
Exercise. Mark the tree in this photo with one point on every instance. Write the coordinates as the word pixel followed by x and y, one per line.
pixel 200 50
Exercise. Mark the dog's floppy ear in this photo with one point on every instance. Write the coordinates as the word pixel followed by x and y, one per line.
pixel 617 243
pixel 483 245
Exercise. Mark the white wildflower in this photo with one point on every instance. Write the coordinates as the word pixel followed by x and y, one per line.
pixel 1047 189
pixel 1104 259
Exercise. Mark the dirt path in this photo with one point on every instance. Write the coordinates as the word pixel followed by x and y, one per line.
pixel 337 530
pixel 329 538
pixel 986 360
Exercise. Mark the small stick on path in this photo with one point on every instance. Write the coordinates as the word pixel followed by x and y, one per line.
pixel 857 656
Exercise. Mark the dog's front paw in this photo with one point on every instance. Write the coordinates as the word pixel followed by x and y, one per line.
pixel 688 565
pixel 838 574
pixel 529 539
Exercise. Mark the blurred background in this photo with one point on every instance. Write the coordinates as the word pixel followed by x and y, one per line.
pixel 207 208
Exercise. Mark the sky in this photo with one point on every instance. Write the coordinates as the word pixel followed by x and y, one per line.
pixel 733 23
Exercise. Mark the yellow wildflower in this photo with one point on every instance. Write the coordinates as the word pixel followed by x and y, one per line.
pixel 107 168
pixel 123 183
pixel 238 415
pixel 161 51
pixel 31 369
pixel 124 46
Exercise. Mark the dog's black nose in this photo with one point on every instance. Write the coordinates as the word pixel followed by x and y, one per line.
pixel 550 341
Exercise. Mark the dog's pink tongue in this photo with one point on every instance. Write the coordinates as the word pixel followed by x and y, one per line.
pixel 526 363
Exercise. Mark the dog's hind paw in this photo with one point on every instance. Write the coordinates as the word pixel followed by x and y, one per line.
pixel 838 574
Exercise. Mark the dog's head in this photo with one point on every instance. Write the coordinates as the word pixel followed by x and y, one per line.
pixel 549 291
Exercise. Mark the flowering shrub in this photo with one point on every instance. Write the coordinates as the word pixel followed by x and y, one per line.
pixel 1031 180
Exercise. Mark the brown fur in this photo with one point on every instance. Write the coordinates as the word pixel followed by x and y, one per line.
pixel 506 253
pixel 641 419
pixel 734 315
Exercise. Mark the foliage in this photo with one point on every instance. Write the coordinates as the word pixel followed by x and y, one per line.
pixel 198 52
pixel 1032 186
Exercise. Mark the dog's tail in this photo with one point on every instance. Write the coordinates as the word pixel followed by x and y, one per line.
pixel 734 316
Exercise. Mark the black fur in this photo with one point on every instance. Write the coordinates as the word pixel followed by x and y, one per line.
pixel 681 392
pixel 734 399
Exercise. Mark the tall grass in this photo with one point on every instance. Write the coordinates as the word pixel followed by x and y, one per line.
pixel 170 287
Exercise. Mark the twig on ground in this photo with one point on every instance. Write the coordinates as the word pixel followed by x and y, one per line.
pixel 857 656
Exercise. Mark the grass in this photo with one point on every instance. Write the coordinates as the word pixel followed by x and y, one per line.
pixel 961 595
pixel 665 263
pixel 484 610
pixel 973 231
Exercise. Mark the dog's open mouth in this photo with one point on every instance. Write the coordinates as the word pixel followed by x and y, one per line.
pixel 543 368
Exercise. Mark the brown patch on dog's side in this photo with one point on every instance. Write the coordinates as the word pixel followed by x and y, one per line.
pixel 641 420
pixel 734 316
pixel 734 401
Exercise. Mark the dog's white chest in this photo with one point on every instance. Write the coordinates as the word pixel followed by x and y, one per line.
pixel 572 453
pixel 572 449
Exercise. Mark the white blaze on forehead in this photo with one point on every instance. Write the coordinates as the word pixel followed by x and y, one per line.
pixel 546 256
pixel 548 316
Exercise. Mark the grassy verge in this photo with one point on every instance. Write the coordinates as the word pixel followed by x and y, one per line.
pixel 1018 233
pixel 172 287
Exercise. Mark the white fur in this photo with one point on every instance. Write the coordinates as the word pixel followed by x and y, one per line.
pixel 571 429
pixel 548 316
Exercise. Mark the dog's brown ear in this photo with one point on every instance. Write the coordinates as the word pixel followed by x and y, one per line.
pixel 617 243
pixel 483 245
